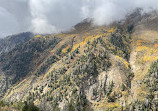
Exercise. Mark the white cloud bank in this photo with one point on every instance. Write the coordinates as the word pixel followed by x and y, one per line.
pixel 51 16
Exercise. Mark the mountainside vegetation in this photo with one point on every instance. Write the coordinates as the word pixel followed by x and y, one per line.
pixel 90 68
pixel 11 42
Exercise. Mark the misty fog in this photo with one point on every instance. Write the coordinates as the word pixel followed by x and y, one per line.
pixel 53 16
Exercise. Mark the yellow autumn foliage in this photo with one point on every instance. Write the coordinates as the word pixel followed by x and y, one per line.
pixel 119 58
pixel 65 49
pixel 91 38
pixel 124 61
pixel 112 30
pixel 77 45
pixel 88 38
pixel 110 47
pixel 44 37
pixel 156 45
pixel 113 105
pixel 38 36
pixel 151 51
pixel 139 42
pixel 11 93
pixel 150 58
pixel 142 48
pixel 124 93
pixel 101 105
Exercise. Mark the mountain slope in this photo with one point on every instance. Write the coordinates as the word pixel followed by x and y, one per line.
pixel 10 42
pixel 90 68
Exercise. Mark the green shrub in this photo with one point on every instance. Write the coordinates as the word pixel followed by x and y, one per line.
pixel 29 107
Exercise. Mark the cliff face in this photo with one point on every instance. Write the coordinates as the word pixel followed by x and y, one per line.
pixel 101 68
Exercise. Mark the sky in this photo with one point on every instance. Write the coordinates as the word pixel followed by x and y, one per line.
pixel 53 16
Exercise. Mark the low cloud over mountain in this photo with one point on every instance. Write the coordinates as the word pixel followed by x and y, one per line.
pixel 51 16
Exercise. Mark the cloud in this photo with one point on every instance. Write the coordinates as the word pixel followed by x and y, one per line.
pixel 54 15
pixel 51 16
pixel 14 17
pixel 107 11
pixel 8 23
pixel 41 25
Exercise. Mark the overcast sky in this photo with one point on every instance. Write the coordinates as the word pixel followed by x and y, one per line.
pixel 51 16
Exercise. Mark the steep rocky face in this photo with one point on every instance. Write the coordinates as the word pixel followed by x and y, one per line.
pixel 103 68
pixel 144 52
